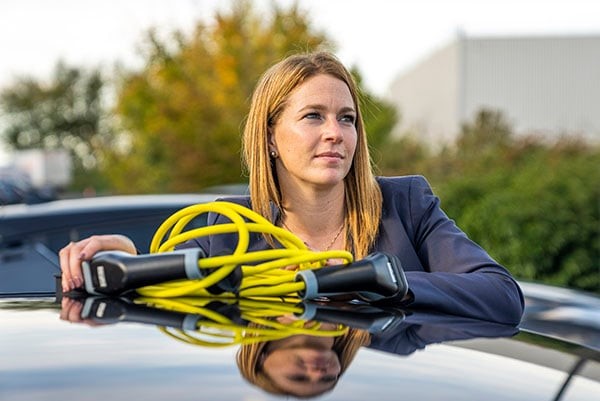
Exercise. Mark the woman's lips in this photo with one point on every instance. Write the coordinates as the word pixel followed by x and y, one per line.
pixel 334 155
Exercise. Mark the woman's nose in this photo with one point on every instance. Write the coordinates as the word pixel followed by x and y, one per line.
pixel 333 130
pixel 318 367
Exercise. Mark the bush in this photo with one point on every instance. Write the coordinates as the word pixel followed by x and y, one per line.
pixel 537 211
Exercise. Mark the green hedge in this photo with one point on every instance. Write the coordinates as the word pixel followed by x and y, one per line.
pixel 538 215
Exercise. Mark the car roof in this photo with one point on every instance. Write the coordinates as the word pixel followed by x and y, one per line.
pixel 102 203
pixel 18 222
pixel 563 313
pixel 46 357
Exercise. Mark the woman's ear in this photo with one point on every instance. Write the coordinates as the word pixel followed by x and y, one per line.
pixel 271 140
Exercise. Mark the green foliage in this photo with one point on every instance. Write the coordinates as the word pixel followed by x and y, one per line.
pixel 184 111
pixel 534 205
pixel 401 156
pixel 180 116
pixel 66 112
pixel 487 134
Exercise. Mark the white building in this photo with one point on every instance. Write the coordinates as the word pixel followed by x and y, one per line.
pixel 547 85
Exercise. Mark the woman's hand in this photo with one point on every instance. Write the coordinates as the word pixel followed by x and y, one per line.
pixel 74 253
pixel 70 311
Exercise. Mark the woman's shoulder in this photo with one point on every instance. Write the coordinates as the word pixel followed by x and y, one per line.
pixel 402 183
pixel 243 200
pixel 409 193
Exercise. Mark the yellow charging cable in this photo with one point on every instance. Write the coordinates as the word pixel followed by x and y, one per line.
pixel 262 271
pixel 266 321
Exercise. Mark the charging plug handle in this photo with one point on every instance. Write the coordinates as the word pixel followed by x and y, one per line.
pixel 373 319
pixel 376 277
pixel 115 272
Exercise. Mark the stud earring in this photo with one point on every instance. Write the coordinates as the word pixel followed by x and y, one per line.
pixel 273 154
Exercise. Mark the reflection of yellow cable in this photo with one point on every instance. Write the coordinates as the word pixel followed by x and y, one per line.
pixel 215 330
pixel 262 274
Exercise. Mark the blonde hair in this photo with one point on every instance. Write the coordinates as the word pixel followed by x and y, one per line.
pixel 248 359
pixel 363 200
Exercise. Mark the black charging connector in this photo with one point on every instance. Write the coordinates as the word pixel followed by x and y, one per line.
pixel 376 277
pixel 111 310
pixel 373 319
pixel 115 272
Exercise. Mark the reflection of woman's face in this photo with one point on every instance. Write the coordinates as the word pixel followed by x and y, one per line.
pixel 302 365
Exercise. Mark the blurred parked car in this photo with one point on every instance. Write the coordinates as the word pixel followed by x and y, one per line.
pixel 16 187
pixel 32 235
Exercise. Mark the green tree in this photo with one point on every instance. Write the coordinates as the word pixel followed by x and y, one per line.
pixel 402 156
pixel 183 113
pixel 66 112
pixel 479 145
pixel 488 132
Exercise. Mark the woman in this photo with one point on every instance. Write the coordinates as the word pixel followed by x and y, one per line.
pixel 305 148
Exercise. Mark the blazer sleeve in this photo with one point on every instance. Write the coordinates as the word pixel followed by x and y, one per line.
pixel 456 275
pixel 419 329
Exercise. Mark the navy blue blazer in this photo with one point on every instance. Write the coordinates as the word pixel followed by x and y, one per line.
pixel 445 270
pixel 405 335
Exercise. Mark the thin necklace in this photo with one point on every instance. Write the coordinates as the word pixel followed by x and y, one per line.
pixel 328 246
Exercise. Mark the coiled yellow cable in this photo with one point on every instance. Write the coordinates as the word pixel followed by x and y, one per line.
pixel 263 317
pixel 262 271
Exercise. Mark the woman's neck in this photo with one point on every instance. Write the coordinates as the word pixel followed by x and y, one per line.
pixel 315 216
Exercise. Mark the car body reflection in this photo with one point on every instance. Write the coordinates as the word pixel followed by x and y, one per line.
pixel 410 354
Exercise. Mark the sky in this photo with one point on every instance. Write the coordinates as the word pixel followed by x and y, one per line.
pixel 383 38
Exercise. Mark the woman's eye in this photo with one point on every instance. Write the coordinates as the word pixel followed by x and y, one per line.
pixel 349 118
pixel 299 378
pixel 312 116
pixel 328 379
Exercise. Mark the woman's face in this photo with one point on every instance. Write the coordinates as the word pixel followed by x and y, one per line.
pixel 315 135
pixel 302 365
